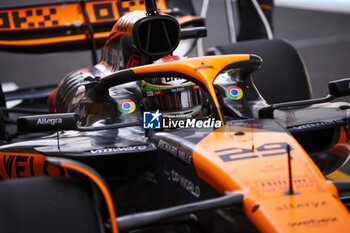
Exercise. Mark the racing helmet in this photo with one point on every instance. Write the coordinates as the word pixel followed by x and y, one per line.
pixel 175 97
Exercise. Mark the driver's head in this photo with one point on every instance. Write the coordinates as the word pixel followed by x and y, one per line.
pixel 174 97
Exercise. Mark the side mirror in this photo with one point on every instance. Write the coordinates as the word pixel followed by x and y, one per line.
pixel 339 88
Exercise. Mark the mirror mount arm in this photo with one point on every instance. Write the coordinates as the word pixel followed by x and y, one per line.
pixel 267 112
pixel 336 89
pixel 151 8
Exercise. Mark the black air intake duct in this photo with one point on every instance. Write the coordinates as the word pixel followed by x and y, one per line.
pixel 153 36
pixel 157 35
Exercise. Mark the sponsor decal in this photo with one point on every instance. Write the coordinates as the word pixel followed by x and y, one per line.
pixel 173 150
pixel 245 124
pixel 153 93
pixel 49 121
pixel 120 149
pixel 196 87
pixel 14 165
pixel 234 92
pixel 316 124
pixel 126 106
pixel 166 171
pixel 301 205
pixel 314 222
pixel 182 181
pixel 282 184
pixel 203 66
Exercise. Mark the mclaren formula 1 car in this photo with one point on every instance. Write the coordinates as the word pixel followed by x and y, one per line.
pixel 150 141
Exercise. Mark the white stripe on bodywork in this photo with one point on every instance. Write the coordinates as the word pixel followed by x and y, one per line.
pixel 341 6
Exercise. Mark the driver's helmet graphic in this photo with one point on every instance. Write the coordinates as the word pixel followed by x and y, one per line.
pixel 175 97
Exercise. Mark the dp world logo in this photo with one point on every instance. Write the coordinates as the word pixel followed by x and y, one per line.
pixel 151 120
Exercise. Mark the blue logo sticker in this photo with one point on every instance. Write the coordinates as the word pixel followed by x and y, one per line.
pixel 151 120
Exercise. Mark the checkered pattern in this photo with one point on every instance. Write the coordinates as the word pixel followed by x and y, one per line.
pixel 47 18
pixel 47 21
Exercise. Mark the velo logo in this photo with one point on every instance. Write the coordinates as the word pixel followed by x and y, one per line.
pixel 151 120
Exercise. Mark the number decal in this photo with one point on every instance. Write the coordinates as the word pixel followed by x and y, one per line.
pixel 238 151
pixel 278 148
pixel 266 150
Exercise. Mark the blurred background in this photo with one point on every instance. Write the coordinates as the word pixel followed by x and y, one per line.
pixel 319 29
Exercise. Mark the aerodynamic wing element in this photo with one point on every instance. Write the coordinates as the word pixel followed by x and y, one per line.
pixel 62 26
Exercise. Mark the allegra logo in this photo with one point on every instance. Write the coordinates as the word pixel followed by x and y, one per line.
pixel 52 121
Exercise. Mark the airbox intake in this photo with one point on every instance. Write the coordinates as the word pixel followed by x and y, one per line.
pixel 153 36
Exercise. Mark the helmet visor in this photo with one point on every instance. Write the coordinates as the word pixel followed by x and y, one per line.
pixel 177 100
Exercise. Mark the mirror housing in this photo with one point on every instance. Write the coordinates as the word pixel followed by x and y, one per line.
pixel 339 88
pixel 47 123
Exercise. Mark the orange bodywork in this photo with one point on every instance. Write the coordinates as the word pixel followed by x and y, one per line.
pixel 65 15
pixel 51 40
pixel 255 164
pixel 68 14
